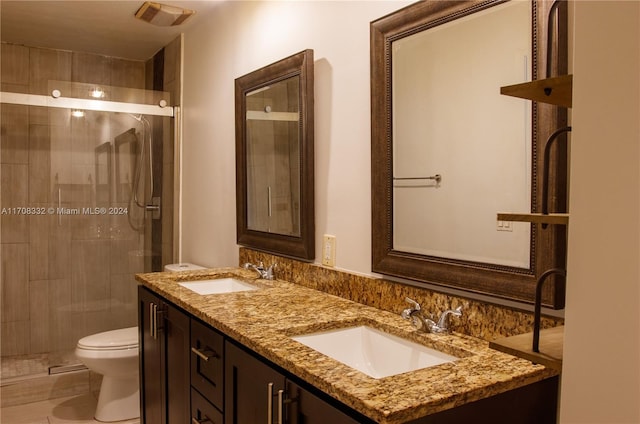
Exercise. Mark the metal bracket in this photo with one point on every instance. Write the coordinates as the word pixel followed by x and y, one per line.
pixel 154 207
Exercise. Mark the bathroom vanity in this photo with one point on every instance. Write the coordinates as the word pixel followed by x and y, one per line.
pixel 236 357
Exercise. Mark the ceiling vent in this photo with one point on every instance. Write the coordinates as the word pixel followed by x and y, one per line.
pixel 162 14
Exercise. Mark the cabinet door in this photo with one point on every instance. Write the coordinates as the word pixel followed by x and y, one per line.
pixel 303 407
pixel 207 366
pixel 152 382
pixel 251 388
pixel 164 361
pixel 202 412
pixel 176 329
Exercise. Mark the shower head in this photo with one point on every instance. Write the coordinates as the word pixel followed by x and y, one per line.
pixel 162 14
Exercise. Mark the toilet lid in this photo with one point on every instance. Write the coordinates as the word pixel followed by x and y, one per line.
pixel 124 338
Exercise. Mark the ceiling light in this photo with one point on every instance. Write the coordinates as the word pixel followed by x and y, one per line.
pixel 96 93
pixel 77 113
pixel 162 14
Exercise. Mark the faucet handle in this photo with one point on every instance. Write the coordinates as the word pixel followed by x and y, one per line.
pixel 442 322
pixel 407 313
pixel 416 305
pixel 268 273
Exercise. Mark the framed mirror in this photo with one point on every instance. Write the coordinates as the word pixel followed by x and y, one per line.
pixel 275 157
pixel 449 152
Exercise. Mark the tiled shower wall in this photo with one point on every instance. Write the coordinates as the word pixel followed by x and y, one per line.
pixel 67 276
pixel 171 56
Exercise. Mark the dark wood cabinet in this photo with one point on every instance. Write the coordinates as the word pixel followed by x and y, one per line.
pixel 257 393
pixel 303 407
pixel 203 412
pixel 535 403
pixel 152 383
pixel 191 373
pixel 250 388
pixel 207 362
pixel 164 361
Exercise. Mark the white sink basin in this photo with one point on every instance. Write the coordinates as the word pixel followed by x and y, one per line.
pixel 374 352
pixel 218 286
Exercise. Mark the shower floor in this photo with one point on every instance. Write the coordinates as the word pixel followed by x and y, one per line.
pixel 27 366
pixel 68 410
pixel 26 379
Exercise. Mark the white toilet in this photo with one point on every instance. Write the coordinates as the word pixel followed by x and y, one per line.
pixel 114 354
pixel 184 266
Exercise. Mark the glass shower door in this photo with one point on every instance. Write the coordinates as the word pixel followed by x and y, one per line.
pixel 82 200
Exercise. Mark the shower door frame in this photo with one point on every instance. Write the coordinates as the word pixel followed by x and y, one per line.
pixel 86 104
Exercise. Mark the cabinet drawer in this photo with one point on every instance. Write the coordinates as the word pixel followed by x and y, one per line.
pixel 207 365
pixel 306 408
pixel 202 412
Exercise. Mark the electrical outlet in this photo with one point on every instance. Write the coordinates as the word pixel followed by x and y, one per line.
pixel 329 250
pixel 504 226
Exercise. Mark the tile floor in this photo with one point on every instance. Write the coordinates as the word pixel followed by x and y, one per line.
pixel 69 410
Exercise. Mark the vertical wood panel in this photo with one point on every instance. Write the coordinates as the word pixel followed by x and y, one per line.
pixel 39 333
pixel 15 66
pixel 39 164
pixel 90 68
pixel 14 136
pixel 39 245
pixel 14 193
pixel 15 282
pixel 46 65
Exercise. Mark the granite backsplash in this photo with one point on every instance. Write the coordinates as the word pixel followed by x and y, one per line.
pixel 481 319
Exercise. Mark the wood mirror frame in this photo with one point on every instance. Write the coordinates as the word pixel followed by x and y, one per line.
pixel 302 246
pixel 548 245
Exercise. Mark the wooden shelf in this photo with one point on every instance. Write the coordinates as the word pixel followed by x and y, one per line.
pixel 556 91
pixel 536 218
pixel 551 346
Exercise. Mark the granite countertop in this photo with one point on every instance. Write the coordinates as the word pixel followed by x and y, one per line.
pixel 263 320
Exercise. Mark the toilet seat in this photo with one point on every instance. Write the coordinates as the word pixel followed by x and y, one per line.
pixel 121 339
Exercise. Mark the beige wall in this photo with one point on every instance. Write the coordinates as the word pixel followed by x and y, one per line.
pixel 601 375
pixel 600 381
pixel 240 37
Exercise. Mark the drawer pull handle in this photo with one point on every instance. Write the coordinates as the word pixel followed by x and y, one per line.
pixel 280 406
pixel 205 356
pixel 270 403
pixel 151 320
pixel 155 318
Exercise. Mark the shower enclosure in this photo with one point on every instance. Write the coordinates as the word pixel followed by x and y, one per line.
pixel 84 208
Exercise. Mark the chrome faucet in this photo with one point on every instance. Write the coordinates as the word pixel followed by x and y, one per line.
pixel 428 324
pixel 265 273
